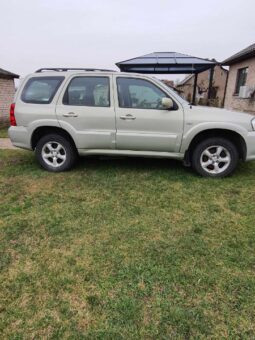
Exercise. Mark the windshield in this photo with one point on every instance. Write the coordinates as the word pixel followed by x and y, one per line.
pixel 176 94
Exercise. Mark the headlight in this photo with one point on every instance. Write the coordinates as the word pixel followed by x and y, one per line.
pixel 253 123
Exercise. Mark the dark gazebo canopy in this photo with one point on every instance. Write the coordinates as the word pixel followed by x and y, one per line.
pixel 166 63
pixel 170 63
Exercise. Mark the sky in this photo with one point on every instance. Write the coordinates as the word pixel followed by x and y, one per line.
pixel 97 33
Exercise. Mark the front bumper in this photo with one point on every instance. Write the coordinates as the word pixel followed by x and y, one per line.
pixel 20 137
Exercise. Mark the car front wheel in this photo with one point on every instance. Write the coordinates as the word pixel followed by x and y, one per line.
pixel 55 153
pixel 215 157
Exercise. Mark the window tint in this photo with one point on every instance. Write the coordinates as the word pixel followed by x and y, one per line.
pixel 139 93
pixel 241 78
pixel 40 90
pixel 88 91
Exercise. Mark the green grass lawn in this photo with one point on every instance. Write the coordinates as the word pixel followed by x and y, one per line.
pixel 125 249
pixel 3 131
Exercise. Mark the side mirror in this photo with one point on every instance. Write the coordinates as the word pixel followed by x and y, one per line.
pixel 167 103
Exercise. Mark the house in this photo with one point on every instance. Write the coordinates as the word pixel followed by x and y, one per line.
pixel 170 83
pixel 7 91
pixel 218 87
pixel 240 92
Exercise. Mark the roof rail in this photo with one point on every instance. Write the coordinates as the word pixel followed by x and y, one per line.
pixel 64 69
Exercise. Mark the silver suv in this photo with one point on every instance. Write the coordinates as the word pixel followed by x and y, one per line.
pixel 62 113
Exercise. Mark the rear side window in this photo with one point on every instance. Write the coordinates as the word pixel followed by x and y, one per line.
pixel 88 91
pixel 41 90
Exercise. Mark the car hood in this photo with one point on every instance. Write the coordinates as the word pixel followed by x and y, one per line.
pixel 201 114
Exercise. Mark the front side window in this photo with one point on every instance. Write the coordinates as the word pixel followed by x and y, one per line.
pixel 139 93
pixel 41 90
pixel 88 91
pixel 241 78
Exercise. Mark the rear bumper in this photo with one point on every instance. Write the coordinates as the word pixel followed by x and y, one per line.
pixel 20 137
pixel 250 144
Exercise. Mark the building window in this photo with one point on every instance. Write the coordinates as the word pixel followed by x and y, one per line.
pixel 241 79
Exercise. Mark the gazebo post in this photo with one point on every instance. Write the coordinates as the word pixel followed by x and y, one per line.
pixel 194 90
pixel 210 85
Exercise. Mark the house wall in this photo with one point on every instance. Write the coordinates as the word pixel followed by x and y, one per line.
pixel 186 89
pixel 7 91
pixel 219 83
pixel 232 101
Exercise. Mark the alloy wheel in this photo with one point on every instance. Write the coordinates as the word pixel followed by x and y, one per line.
pixel 215 159
pixel 54 154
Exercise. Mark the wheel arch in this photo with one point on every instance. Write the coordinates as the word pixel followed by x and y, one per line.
pixel 45 130
pixel 231 135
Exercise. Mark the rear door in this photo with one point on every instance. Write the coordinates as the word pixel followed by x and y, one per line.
pixel 86 110
pixel 141 121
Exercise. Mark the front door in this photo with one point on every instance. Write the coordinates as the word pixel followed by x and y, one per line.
pixel 86 111
pixel 142 122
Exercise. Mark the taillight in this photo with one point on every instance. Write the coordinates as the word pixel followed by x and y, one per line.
pixel 12 115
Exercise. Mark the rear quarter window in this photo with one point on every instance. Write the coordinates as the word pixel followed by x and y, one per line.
pixel 41 90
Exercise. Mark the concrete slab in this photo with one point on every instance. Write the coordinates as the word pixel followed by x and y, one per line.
pixel 5 143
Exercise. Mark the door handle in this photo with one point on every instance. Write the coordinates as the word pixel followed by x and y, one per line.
pixel 128 117
pixel 70 114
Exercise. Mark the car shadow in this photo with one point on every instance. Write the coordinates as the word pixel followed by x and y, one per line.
pixel 131 163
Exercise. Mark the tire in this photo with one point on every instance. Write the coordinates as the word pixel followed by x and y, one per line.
pixel 55 153
pixel 215 157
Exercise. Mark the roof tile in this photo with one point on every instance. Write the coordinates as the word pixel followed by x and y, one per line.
pixel 243 54
pixel 7 74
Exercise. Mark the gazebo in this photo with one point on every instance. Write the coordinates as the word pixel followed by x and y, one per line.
pixel 170 63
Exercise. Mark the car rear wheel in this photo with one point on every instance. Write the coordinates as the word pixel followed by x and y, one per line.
pixel 55 153
pixel 215 157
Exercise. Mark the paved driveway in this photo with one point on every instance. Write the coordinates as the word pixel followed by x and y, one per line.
pixel 5 143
